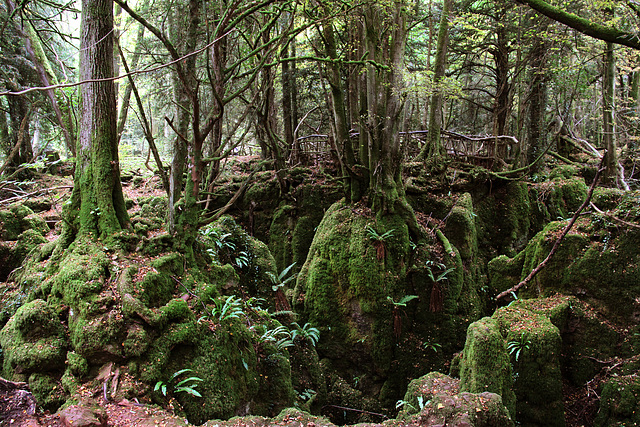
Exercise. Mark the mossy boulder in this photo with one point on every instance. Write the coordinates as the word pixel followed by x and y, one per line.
pixel 517 354
pixel 152 207
pixel 535 346
pixel 485 364
pixel 344 285
pixel 460 227
pixel 228 243
pixel 503 218
pixel 436 398
pixel 423 389
pixel 620 402
pixel 468 409
pixel 598 261
pixel 17 219
pixel 556 199
pixel 47 390
pixel 33 340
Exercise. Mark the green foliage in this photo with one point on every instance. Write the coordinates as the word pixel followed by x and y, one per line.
pixel 516 346
pixel 306 332
pixel 405 404
pixel 280 337
pixel 403 301
pixel 229 308
pixel 432 346
pixel 242 259
pixel 374 235
pixel 442 276
pixel 187 385
pixel 281 279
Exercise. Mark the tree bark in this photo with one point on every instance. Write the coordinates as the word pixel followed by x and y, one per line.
pixel 434 148
pixel 537 104
pixel 608 34
pixel 98 206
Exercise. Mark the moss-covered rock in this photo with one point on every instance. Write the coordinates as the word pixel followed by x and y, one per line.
pixel 344 285
pixel 598 261
pixel 422 390
pixel 620 402
pixel 153 206
pixel 12 221
pixel 33 340
pixel 504 218
pixel 47 390
pixel 460 227
pixel 535 345
pixel 485 364
pixel 468 409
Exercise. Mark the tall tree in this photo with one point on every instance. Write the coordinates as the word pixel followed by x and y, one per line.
pixel 434 149
pixel 97 202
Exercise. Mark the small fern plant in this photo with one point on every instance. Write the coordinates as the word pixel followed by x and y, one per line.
pixel 306 333
pixel 187 385
pixel 379 241
pixel 225 309
pixel 515 347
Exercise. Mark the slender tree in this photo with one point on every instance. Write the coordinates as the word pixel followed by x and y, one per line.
pixel 97 202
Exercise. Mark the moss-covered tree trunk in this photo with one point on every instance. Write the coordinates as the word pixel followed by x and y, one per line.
pixel 97 204
pixel 434 149
pixel 537 105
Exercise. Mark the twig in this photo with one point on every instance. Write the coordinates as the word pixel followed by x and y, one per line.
pixel 230 203
pixel 613 217
pixel 560 238
pixel 344 408
pixel 33 193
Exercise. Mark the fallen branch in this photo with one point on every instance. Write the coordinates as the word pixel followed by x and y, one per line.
pixel 613 217
pixel 230 203
pixel 33 193
pixel 556 245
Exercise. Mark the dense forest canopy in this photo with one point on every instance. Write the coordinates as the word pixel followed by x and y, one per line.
pixel 275 78
pixel 415 187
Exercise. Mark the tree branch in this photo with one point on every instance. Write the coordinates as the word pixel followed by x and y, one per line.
pixel 601 32
pixel 556 245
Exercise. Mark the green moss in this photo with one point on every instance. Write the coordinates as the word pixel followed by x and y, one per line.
pixel 482 409
pixel 172 263
pixel 607 198
pixel 155 289
pixel 504 272
pixel 47 390
pixel 97 337
pixel 77 364
pixel 32 340
pixel 346 287
pixel 504 219
pixel 36 319
pixel 461 227
pixel 27 242
pixel 563 172
pixel 619 402
pixel 281 234
pixel 152 206
pixel 12 222
pixel 485 364
pixel 538 380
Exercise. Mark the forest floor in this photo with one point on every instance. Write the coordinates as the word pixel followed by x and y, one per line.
pixel 17 405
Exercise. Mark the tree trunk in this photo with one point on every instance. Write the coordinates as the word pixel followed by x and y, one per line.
pixel 613 173
pixel 19 113
pixel 59 104
pixel 537 105
pixel 434 149
pixel 126 97
pixel 98 206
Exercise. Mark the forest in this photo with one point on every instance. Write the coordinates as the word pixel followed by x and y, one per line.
pixel 320 213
